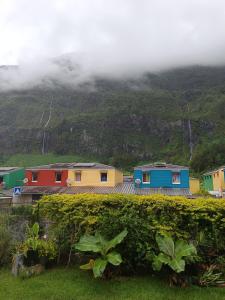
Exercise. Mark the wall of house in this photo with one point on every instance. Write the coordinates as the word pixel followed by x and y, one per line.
pixel 118 176
pixel 14 178
pixel 218 180
pixel 208 182
pixel 163 179
pixel 91 177
pixel 194 184
pixel 47 178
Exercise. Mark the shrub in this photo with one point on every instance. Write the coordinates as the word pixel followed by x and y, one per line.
pixel 201 221
pixel 6 242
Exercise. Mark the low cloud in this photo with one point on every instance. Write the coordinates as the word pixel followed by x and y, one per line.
pixel 72 41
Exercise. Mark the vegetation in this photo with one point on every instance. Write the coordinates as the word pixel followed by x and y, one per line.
pixel 145 119
pixel 173 254
pixel 29 160
pixel 174 220
pixel 169 237
pixel 99 244
pixel 34 243
pixel 73 284
pixel 6 242
pixel 209 156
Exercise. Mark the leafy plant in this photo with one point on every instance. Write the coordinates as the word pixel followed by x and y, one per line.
pixel 211 277
pixel 99 244
pixel 173 253
pixel 6 241
pixel 43 247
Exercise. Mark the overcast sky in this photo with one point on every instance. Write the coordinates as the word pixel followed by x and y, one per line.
pixel 112 36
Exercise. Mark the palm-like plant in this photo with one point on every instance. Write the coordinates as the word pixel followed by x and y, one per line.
pixel 173 253
pixel 99 244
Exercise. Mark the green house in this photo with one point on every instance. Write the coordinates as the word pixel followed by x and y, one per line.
pixel 208 181
pixel 11 177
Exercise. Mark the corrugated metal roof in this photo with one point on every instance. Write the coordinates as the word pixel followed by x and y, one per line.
pixel 123 188
pixel 164 191
pixel 71 166
pixel 214 171
pixel 7 170
pixel 162 166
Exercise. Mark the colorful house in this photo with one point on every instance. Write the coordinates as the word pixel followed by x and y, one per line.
pixel 47 175
pixel 11 177
pixel 194 184
pixel 71 178
pixel 74 174
pixel 208 181
pixel 163 177
pixel 214 181
pixel 93 174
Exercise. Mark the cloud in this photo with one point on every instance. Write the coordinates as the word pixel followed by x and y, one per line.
pixel 107 38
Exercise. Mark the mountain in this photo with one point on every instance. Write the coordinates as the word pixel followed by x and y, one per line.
pixel 162 116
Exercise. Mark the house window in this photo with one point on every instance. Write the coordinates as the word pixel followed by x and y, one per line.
pixel 34 176
pixel 78 176
pixel 58 176
pixel 176 178
pixel 146 177
pixel 103 176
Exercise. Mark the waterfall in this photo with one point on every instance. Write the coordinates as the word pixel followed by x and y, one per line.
pixel 44 128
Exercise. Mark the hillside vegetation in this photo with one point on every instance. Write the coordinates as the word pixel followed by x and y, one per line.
pixel 156 117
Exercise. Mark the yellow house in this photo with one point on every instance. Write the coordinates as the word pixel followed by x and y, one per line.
pixel 218 179
pixel 194 184
pixel 93 174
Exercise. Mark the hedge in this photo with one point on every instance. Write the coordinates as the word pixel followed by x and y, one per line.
pixel 201 221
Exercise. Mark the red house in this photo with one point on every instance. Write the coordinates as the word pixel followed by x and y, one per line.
pixel 47 175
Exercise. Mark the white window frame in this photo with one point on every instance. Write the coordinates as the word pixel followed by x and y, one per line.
pixel 173 173
pixel 149 175
pixel 32 172
pixel 58 181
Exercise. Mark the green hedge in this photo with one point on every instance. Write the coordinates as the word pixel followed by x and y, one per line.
pixel 201 221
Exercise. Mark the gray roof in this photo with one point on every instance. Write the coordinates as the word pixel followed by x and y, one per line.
pixel 213 171
pixel 65 166
pixel 122 188
pixel 160 166
pixel 7 170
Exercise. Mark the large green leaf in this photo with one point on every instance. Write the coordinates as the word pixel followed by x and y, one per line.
pixel 116 240
pixel 159 260
pixel 99 267
pixel 88 243
pixel 183 249
pixel 114 258
pixel 178 265
pixel 88 266
pixel 101 241
pixel 157 264
pixel 35 229
pixel 165 244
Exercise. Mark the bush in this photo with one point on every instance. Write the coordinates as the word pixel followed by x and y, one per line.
pixel 6 242
pixel 201 221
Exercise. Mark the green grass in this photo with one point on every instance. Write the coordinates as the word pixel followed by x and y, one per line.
pixel 28 160
pixel 69 284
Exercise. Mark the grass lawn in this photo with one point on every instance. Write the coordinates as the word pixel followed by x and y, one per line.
pixel 69 284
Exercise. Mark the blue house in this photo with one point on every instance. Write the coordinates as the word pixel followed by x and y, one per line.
pixel 161 176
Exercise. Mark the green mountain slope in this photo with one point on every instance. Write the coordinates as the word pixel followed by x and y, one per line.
pixel 157 117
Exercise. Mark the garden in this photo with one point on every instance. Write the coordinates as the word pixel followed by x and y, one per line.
pixel 113 246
